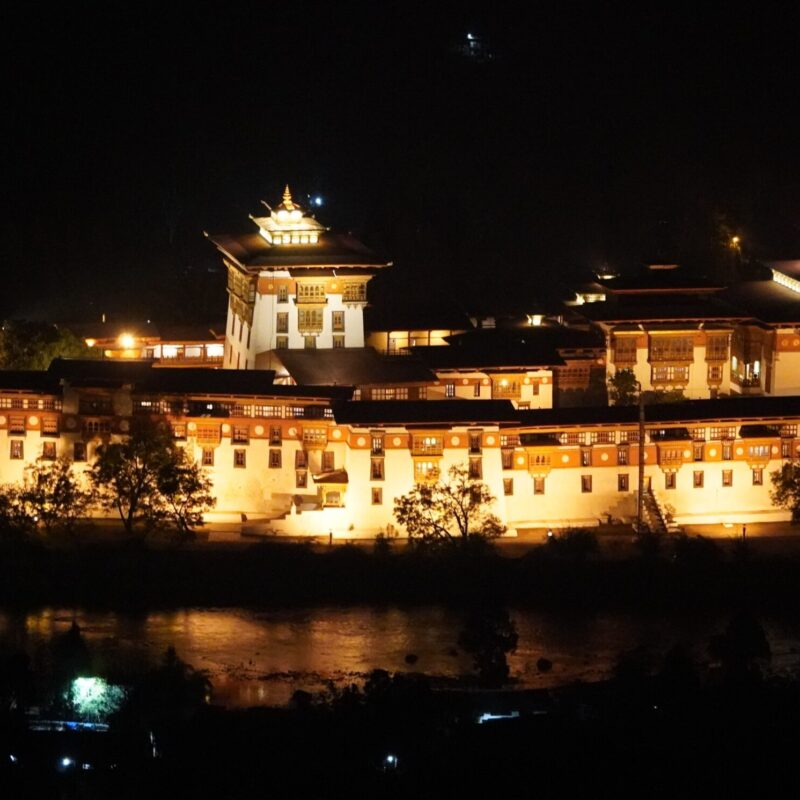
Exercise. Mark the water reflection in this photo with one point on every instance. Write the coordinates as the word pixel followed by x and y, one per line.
pixel 261 657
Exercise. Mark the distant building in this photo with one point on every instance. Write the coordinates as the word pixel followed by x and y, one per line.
pixel 293 284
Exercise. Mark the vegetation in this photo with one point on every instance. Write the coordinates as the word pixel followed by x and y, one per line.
pixel 456 510
pixel 576 544
pixel 150 481
pixel 623 388
pixel 33 345
pixel 785 491
pixel 488 636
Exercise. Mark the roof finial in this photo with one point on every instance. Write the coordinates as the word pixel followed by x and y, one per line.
pixel 287 198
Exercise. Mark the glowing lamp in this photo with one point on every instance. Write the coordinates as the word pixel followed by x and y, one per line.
pixel 127 341
pixel 91 342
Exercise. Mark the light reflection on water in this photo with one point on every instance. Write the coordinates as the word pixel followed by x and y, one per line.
pixel 261 657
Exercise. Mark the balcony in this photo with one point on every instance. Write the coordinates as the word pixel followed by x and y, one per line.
pixel 427 446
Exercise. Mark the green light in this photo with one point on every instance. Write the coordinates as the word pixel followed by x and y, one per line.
pixel 94 698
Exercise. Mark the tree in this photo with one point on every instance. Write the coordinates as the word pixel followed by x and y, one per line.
pixel 148 480
pixel 15 519
pixel 488 635
pixel 785 492
pixel 186 491
pixel 623 388
pixel 456 510
pixel 33 345
pixel 52 495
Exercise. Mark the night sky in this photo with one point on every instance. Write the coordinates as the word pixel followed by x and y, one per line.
pixel 596 133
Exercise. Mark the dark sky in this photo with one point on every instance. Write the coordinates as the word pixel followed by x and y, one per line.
pixel 596 133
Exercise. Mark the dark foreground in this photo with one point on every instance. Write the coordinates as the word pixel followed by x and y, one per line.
pixel 653 736
pixel 686 573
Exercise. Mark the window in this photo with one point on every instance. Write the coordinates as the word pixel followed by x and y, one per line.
pixel 758 476
pixel 726 432
pixel 727 477
pixel 274 459
pixel 727 451
pixel 310 342
pixel 282 322
pixel 338 342
pixel 427 445
pixel 698 478
pixel 309 319
pixel 786 449
pixel 49 451
pixel 95 426
pixel 283 293
pixel 759 451
pixel 354 292
pixel 508 486
pixel 282 343
pixel 426 470
pixel 17 450
pixel 311 292
pixel 669 480
pixel 586 458
pixel 716 349
pixel 586 483
pixel 208 457
pixel 622 483
pixel 788 431
pixel 300 459
pixel 625 350
pixel 301 479
pixel 179 431
pixel 670 374
pixel 507 457
pixel 698 434
pixel 79 451
pixel 538 485
pixel 399 393
pixel 476 390
pixel 622 456
pixel 377 496
pixel 449 390
pixel 275 434
pixel 697 452
pixel 475 468
pixel 49 426
pixel 240 435
pixel 377 444
pixel 240 458
pixel 376 469
pixel 337 321
pixel 672 348
pixel 328 460
pixel 475 442
pixel 315 436
pixel 714 373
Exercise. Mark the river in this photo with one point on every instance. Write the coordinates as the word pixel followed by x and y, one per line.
pixel 261 657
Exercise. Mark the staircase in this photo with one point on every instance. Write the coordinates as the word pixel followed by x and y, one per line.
pixel 655 516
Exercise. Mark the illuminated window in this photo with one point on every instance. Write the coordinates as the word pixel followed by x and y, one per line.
pixel 698 479
pixel 354 292
pixel 17 450
pixel 725 432
pixel 275 434
pixel 672 348
pixel 49 451
pixel 670 374
pixel 426 470
pixel 208 457
pixel 758 476
pixel 274 459
pixel 622 456
pixel 179 431
pixel 538 485
pixel 786 449
pixel 240 435
pixel 508 486
pixel 697 452
pixel 377 496
pixel 586 458
pixel 377 444
pixel 727 477
pixel 714 373
pixel 586 483
pixel 240 458
pixel 759 451
pixel 337 320
pixel 449 390
pixel 79 451
pixel 727 451
pixel 622 483
pixel 669 480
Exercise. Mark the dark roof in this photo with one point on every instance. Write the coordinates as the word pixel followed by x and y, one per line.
pixel 35 381
pixel 192 333
pixel 393 316
pixel 355 366
pixel 332 476
pixel 765 300
pixel 428 413
pixel 199 332
pixel 252 251
pixel 100 372
pixel 497 348
pixel 662 308
pixel 729 408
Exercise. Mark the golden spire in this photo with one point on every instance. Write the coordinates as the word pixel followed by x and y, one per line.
pixel 287 199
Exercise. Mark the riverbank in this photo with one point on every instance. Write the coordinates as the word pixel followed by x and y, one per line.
pixel 685 573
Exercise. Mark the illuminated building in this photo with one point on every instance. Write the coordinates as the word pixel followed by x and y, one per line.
pixel 293 284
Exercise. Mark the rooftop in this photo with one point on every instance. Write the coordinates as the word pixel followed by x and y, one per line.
pixel 428 413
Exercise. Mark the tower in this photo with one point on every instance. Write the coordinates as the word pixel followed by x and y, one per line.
pixel 293 283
